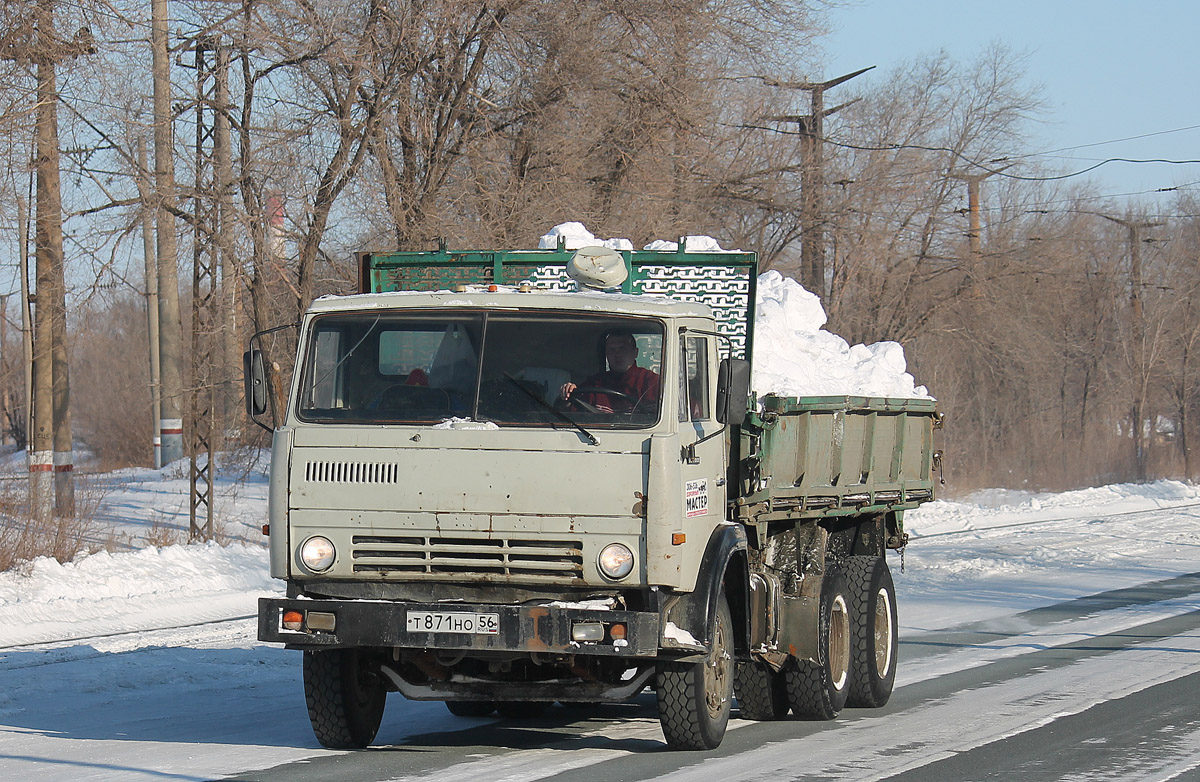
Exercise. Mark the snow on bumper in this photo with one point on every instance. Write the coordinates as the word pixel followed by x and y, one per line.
pixel 328 624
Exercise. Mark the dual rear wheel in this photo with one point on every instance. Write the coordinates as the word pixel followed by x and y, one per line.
pixel 856 652
pixel 817 689
pixel 873 657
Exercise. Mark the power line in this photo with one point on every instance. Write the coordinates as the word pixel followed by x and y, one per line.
pixel 989 171
pixel 999 172
pixel 1112 141
pixel 986 167
pixel 1076 199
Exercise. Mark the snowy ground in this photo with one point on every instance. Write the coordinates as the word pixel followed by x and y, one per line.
pixel 143 664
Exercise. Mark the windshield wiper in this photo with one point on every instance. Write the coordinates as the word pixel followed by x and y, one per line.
pixel 591 438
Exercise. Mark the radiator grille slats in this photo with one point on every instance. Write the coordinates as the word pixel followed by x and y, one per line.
pixel 351 472
pixel 434 556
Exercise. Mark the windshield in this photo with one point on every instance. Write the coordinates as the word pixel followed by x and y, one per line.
pixel 526 369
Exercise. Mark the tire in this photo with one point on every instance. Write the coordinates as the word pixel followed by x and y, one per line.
pixel 345 697
pixel 694 699
pixel 521 710
pixel 470 708
pixel 873 614
pixel 761 692
pixel 818 690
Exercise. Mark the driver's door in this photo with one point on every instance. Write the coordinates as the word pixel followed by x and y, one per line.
pixel 703 471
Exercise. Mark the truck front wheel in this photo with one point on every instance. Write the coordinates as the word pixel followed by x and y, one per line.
pixel 817 689
pixel 873 606
pixel 345 697
pixel 694 699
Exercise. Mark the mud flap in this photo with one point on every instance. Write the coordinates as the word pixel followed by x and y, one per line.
pixel 695 613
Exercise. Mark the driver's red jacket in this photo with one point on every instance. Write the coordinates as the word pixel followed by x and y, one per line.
pixel 640 385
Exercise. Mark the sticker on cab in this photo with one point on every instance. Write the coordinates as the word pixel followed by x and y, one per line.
pixel 695 497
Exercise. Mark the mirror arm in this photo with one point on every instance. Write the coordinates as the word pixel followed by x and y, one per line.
pixel 689 451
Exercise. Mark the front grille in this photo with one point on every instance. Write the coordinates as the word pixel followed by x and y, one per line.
pixel 457 557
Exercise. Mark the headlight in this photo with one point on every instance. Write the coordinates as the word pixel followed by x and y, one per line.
pixel 317 553
pixel 616 561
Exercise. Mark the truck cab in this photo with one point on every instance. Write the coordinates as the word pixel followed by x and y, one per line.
pixel 428 442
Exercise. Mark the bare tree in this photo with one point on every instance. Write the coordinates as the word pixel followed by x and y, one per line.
pixel 369 125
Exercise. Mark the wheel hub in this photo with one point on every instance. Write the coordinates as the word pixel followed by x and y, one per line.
pixel 883 632
pixel 717 672
pixel 839 643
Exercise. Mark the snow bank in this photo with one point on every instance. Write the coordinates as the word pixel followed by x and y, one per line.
pixel 1000 551
pixel 980 510
pixel 150 587
pixel 204 568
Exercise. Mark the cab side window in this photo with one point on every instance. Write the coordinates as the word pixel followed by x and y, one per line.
pixel 324 387
pixel 694 403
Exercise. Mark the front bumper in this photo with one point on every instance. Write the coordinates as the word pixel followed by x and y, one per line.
pixel 544 629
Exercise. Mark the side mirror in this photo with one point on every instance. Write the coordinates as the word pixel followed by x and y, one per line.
pixel 258 383
pixel 733 390
pixel 254 373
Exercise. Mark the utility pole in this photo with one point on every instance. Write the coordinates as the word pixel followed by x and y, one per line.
pixel 974 227
pixel 169 324
pixel 812 175
pixel 51 452
pixel 1137 335
pixel 20 47
pixel 51 481
pixel 26 320
pixel 151 265
pixel 41 437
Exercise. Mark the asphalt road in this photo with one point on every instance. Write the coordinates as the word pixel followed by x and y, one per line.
pixel 1040 695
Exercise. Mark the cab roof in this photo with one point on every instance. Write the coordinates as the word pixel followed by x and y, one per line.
pixel 534 299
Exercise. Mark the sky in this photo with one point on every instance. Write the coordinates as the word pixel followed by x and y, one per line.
pixel 1109 70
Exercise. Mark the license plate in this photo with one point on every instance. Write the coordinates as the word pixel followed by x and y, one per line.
pixel 449 622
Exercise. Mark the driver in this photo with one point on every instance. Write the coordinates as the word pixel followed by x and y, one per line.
pixel 636 384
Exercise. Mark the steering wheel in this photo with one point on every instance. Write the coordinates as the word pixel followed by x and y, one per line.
pixel 382 393
pixel 589 407
pixel 403 395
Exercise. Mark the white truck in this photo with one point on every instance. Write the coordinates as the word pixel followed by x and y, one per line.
pixel 451 528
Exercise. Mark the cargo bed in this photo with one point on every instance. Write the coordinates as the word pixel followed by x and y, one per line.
pixel 828 456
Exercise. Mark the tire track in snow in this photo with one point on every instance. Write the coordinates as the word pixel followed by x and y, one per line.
pixel 1152 735
pixel 1143 594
